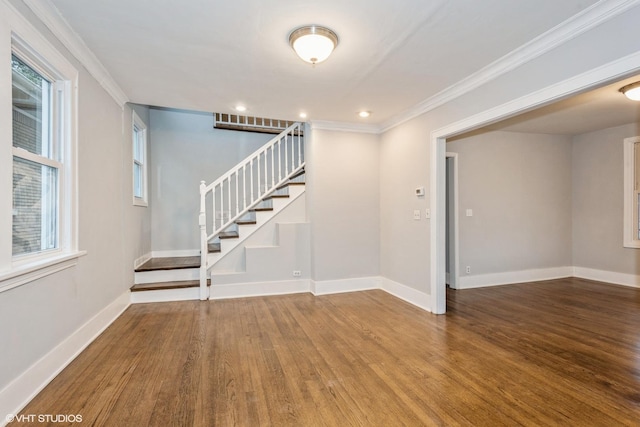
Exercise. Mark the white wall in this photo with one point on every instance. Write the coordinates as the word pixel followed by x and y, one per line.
pixel 598 201
pixel 404 242
pixel 185 149
pixel 343 204
pixel 405 254
pixel 38 316
pixel 519 189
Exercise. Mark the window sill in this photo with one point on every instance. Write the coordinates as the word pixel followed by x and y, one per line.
pixel 140 202
pixel 28 272
pixel 631 244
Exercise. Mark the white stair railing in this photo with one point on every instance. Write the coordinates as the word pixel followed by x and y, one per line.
pixel 244 186
pixel 250 123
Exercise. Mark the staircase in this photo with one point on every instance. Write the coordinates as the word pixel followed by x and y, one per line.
pixel 232 208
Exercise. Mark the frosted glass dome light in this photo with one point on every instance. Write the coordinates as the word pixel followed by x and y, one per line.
pixel 313 43
pixel 632 91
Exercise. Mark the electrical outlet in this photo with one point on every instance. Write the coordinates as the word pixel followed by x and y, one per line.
pixel 297 273
pixel 468 269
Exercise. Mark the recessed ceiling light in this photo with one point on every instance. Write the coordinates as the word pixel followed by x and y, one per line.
pixel 364 114
pixel 632 91
pixel 303 115
pixel 241 108
pixel 313 43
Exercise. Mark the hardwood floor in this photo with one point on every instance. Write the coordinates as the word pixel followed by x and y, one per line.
pixel 563 352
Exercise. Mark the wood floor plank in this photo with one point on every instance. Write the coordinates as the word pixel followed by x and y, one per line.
pixel 562 352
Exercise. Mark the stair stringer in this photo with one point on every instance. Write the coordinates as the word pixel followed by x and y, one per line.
pixel 263 219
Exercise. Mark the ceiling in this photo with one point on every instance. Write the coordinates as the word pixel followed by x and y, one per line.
pixel 210 55
pixel 597 109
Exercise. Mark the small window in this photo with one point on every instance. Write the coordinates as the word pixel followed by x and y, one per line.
pixel 139 161
pixel 632 192
pixel 37 162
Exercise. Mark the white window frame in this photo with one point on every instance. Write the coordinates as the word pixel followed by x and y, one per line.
pixel 631 225
pixel 31 47
pixel 139 130
pixel 53 135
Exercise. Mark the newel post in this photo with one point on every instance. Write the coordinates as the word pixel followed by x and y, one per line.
pixel 202 221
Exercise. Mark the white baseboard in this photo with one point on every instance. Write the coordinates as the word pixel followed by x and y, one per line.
pixel 624 279
pixel 406 293
pixel 178 253
pixel 510 277
pixel 284 287
pixel 165 295
pixel 325 287
pixel 144 258
pixel 15 396
pixel 259 289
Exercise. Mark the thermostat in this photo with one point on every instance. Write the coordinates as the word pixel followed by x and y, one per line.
pixel 419 191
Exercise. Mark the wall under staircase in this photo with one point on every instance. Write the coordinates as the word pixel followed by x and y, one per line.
pixel 269 261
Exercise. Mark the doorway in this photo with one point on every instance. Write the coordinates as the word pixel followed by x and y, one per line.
pixel 451 235
pixel 594 78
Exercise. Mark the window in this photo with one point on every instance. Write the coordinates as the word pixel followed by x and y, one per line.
pixel 36 162
pixel 139 161
pixel 40 215
pixel 632 192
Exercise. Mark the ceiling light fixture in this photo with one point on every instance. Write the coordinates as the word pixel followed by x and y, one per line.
pixel 303 115
pixel 313 43
pixel 632 91
pixel 364 114
pixel 241 108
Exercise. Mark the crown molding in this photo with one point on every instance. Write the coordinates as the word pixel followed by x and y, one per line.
pixel 51 17
pixel 345 127
pixel 579 23
pixel 604 74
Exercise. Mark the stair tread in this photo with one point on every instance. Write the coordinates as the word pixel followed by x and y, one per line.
pixel 228 235
pixel 286 184
pixel 170 263
pixel 213 247
pixel 297 174
pixel 167 285
pixel 276 196
pixel 264 209
pixel 246 222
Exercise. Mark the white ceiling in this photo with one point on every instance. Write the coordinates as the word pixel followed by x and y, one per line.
pixel 600 108
pixel 210 55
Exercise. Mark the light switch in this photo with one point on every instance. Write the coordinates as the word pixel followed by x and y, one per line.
pixel 427 214
pixel 469 212
pixel 416 215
